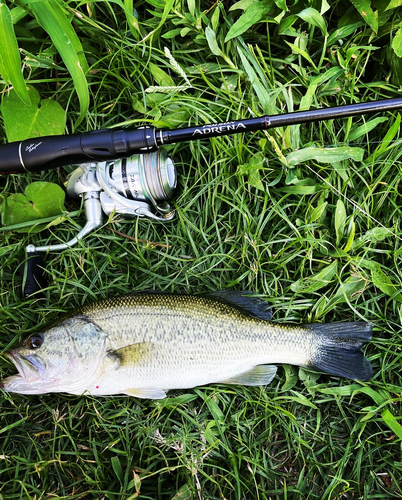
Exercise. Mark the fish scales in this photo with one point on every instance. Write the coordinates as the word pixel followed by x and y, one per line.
pixel 196 340
pixel 145 344
pixel 199 323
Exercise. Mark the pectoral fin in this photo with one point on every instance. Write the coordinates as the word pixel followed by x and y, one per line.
pixel 259 375
pixel 147 393
pixel 131 354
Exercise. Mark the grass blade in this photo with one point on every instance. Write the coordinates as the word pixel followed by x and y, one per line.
pixel 260 89
pixel 52 18
pixel 131 19
pixel 331 437
pixel 166 10
pixel 10 62
pixel 14 424
pixel 366 128
pixel 389 137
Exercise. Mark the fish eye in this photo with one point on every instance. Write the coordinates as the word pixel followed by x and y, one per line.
pixel 35 342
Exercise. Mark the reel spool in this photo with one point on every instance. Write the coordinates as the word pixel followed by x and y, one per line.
pixel 139 186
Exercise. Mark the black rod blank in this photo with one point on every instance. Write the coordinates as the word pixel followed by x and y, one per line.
pixel 266 122
pixel 42 153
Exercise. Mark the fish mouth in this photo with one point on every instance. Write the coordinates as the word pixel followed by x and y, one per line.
pixel 29 368
pixel 28 380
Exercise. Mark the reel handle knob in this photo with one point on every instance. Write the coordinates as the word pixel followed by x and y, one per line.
pixel 33 273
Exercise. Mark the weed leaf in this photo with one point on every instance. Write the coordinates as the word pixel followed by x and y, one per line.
pixel 351 237
pixel 367 13
pixel 212 43
pixel 131 19
pixel 40 118
pixel 41 199
pixel 317 281
pixel 392 422
pixel 243 5
pixel 377 234
pixel 393 4
pixel 340 220
pixel 301 52
pixel 251 169
pixel 313 17
pixel 291 377
pixel 160 76
pixel 346 292
pixel 397 43
pixel 343 32
pixel 383 282
pixel 325 155
pixel 252 15
pixel 318 211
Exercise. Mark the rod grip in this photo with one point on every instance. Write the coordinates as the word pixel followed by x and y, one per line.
pixel 44 153
pixel 33 275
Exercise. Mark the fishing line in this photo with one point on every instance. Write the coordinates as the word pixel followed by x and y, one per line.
pixel 355 144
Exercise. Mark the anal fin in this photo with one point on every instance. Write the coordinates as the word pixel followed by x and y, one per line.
pixel 258 375
pixel 146 393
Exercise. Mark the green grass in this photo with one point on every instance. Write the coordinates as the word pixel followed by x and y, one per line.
pixel 306 435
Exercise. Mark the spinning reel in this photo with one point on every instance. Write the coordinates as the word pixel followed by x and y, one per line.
pixel 138 186
pixel 123 171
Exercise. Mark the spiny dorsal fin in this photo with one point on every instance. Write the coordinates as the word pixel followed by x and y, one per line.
pixel 244 301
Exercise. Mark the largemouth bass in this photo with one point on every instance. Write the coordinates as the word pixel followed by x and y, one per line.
pixel 145 344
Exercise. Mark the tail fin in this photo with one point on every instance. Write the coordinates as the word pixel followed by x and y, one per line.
pixel 338 349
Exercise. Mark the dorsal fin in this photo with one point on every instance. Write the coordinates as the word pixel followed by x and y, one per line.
pixel 243 301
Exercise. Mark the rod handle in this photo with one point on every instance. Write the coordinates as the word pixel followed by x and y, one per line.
pixel 44 153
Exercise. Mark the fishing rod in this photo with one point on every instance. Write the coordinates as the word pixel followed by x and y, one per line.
pixel 126 172
pixel 42 153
